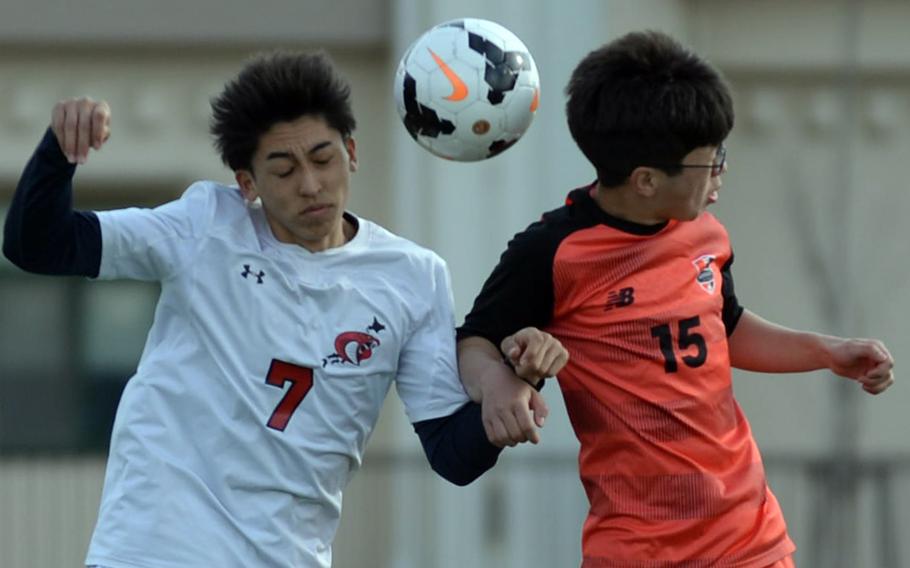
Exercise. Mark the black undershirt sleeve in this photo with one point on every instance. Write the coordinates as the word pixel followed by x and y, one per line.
pixel 42 233
pixel 732 311
pixel 457 446
pixel 519 291
pixel 518 294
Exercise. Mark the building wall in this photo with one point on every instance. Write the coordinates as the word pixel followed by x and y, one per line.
pixel 814 201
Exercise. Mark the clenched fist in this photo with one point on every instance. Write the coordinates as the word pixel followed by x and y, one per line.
pixel 80 124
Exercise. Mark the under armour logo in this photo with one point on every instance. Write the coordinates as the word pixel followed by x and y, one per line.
pixel 247 273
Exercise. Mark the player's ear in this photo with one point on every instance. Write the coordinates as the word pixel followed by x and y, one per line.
pixel 645 181
pixel 247 185
pixel 351 146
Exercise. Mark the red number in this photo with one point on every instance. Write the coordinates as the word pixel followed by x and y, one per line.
pixel 301 379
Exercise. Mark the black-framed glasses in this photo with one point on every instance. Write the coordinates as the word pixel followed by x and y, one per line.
pixel 717 166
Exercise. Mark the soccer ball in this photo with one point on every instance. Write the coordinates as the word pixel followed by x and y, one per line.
pixel 467 89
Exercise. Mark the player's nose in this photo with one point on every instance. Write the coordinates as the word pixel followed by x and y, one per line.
pixel 309 183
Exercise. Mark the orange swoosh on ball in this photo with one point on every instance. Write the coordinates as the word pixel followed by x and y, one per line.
pixel 459 89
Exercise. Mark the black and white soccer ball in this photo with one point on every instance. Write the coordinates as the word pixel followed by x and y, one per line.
pixel 467 89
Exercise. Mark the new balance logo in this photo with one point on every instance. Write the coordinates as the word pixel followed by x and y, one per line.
pixel 247 272
pixel 620 298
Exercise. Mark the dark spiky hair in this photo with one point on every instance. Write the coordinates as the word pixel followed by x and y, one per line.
pixel 273 87
pixel 644 99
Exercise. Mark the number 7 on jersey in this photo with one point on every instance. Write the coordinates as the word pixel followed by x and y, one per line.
pixel 301 379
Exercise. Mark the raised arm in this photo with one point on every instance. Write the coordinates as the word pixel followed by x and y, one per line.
pixel 759 345
pixel 42 233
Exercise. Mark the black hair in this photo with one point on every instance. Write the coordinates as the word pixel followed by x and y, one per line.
pixel 644 99
pixel 273 87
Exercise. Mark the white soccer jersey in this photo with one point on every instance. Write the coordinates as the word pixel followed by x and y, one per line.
pixel 261 380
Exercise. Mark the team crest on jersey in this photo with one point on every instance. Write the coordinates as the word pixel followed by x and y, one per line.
pixel 355 347
pixel 704 275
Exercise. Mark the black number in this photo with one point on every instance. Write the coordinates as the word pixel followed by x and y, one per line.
pixel 687 339
pixel 662 333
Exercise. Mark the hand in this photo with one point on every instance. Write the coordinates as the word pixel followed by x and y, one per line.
pixel 864 360
pixel 512 410
pixel 534 354
pixel 80 124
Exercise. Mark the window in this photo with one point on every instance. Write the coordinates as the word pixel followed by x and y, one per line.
pixel 67 348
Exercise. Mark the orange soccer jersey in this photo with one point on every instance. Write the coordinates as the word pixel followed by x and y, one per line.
pixel 667 458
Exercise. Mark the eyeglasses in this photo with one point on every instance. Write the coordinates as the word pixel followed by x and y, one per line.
pixel 717 167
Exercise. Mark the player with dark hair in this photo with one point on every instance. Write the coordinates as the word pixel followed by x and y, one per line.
pixel 282 323
pixel 634 277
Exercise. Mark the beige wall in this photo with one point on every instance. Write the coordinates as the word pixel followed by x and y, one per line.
pixel 58 23
pixel 160 107
pixel 815 201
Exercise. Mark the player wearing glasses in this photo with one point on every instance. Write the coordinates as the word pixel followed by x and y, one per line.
pixel 633 276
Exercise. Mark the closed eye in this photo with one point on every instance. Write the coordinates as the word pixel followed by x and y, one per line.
pixel 285 174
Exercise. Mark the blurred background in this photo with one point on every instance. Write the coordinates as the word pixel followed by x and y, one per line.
pixel 815 200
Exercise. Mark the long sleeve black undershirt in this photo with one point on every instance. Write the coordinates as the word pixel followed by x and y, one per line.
pixel 457 446
pixel 42 233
